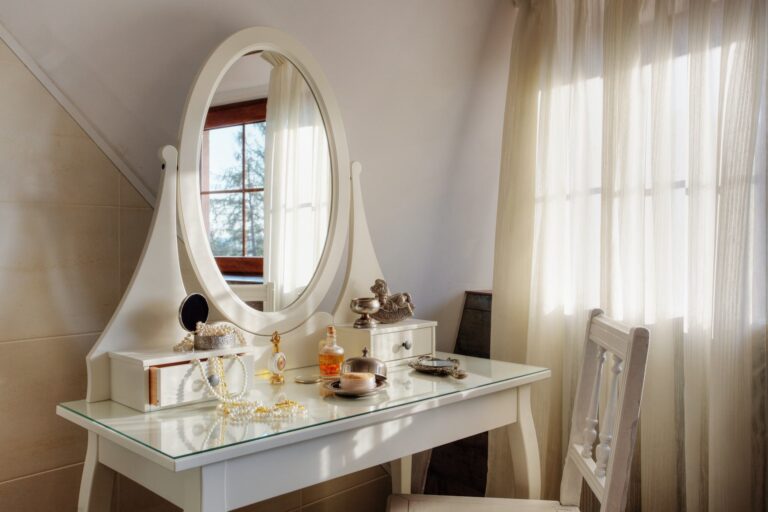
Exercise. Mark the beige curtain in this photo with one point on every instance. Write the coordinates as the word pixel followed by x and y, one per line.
pixel 634 178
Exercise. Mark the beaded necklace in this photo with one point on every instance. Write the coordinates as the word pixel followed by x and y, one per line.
pixel 234 406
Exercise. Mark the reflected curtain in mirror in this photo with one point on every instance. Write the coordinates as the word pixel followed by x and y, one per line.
pixel 297 183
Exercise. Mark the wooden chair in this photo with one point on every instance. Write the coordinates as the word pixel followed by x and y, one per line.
pixel 605 466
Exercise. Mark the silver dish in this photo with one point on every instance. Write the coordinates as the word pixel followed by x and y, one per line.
pixel 215 342
pixel 365 307
pixel 335 386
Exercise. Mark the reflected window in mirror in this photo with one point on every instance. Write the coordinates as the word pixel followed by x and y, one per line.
pixel 265 180
pixel 232 188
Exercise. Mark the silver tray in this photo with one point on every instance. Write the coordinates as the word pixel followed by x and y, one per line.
pixel 436 366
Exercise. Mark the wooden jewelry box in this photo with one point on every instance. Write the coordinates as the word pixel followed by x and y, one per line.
pixel 158 379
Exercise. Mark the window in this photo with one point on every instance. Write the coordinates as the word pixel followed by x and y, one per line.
pixel 232 186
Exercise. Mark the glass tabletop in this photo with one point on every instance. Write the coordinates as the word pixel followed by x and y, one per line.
pixel 192 429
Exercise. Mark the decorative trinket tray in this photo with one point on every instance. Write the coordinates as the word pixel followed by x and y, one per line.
pixel 335 386
pixel 436 366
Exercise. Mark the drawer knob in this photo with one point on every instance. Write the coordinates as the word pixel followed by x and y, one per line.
pixel 407 345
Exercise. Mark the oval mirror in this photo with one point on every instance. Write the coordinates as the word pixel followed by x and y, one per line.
pixel 263 181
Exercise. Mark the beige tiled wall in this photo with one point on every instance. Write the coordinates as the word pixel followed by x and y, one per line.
pixel 71 232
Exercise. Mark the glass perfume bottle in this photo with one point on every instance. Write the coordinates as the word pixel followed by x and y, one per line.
pixel 331 355
pixel 277 362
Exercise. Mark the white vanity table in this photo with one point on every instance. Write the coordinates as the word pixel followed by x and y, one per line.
pixel 202 460
pixel 192 457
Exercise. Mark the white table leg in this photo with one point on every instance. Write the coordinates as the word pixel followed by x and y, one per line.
pixel 97 481
pixel 401 475
pixel 525 448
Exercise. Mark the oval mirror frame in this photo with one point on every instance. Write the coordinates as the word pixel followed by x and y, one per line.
pixel 190 212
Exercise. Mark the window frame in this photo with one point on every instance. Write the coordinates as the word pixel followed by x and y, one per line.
pixel 224 116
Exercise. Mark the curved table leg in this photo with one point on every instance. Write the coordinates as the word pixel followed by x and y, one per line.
pixel 525 448
pixel 96 482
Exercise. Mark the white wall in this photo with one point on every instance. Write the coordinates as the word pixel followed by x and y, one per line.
pixel 462 257
pixel 420 85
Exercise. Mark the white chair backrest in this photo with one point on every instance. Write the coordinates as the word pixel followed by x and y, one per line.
pixel 621 350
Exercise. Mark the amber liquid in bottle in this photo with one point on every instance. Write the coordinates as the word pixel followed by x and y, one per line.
pixel 330 365
pixel 330 356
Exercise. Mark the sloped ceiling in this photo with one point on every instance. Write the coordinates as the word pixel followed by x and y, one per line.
pixel 404 73
pixel 398 66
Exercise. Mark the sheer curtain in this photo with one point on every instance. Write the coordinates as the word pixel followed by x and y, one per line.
pixel 297 183
pixel 634 179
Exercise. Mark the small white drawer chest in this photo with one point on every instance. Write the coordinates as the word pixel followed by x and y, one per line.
pixel 392 343
pixel 149 380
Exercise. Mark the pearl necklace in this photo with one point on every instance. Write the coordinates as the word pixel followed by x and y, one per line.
pixel 234 406
pixel 216 377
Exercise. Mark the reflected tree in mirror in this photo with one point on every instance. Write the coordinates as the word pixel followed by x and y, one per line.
pixel 230 204
pixel 232 186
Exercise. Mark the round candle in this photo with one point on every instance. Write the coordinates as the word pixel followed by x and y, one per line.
pixel 358 381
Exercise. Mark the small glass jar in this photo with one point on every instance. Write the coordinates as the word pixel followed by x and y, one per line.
pixel 330 356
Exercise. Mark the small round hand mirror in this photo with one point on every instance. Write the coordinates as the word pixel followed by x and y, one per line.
pixel 193 309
